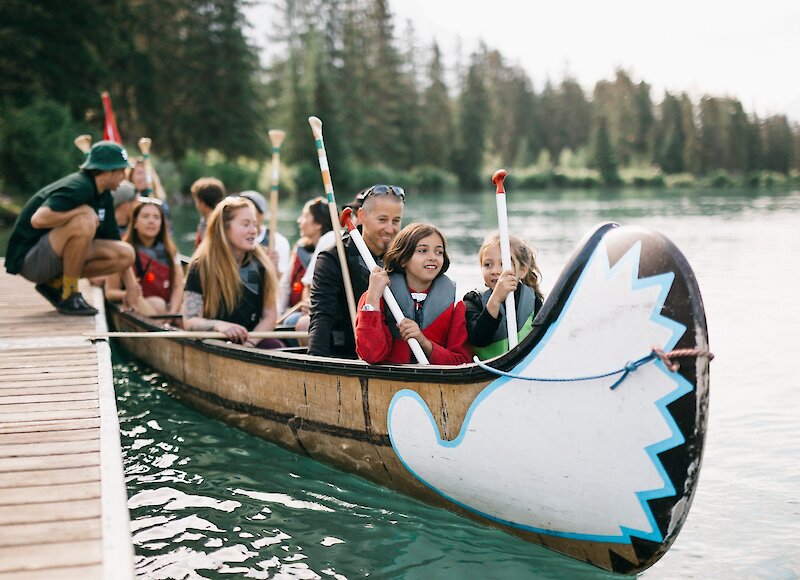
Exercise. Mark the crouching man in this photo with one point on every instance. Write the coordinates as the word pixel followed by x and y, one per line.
pixel 67 230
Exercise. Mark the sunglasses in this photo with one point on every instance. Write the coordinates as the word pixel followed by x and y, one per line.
pixel 384 189
pixel 151 200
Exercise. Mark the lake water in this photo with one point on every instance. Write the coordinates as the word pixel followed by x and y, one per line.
pixel 210 501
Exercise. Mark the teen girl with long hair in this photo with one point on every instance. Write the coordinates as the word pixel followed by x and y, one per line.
pixel 232 286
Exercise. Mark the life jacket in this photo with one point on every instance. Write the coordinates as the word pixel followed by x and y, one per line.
pixel 526 306
pixel 154 276
pixel 441 296
pixel 302 257
pixel 251 304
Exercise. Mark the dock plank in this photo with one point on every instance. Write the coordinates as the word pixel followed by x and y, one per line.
pixel 49 511
pixel 49 448
pixel 63 511
pixel 64 492
pixel 43 477
pixel 29 558
pixel 50 532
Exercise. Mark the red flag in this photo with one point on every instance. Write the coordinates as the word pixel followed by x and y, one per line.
pixel 110 131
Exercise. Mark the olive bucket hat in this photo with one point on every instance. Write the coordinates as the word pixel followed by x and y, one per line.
pixel 106 156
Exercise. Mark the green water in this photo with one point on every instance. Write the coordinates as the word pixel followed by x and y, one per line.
pixel 208 501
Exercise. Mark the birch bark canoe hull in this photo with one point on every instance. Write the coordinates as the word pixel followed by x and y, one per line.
pixel 351 415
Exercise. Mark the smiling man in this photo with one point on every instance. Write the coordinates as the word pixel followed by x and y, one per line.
pixel 330 332
pixel 67 230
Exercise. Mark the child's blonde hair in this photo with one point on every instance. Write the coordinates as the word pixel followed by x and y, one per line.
pixel 524 256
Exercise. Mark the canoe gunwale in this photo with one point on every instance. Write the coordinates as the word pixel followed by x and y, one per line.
pixel 470 373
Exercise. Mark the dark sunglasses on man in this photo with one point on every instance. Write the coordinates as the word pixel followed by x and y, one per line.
pixel 383 190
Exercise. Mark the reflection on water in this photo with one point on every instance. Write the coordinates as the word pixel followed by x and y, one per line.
pixel 210 501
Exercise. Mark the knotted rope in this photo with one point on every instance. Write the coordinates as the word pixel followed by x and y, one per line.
pixel 656 354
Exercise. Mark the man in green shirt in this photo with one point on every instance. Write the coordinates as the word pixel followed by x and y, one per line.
pixel 67 230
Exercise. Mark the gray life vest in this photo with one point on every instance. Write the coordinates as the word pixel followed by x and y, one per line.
pixel 525 303
pixel 441 296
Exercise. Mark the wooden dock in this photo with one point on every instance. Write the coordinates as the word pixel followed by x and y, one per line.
pixel 63 503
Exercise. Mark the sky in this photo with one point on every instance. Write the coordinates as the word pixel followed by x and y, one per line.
pixel 747 50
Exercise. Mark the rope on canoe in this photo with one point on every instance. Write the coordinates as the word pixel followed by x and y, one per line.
pixel 668 358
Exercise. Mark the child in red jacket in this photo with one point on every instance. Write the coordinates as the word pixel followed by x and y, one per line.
pixel 415 263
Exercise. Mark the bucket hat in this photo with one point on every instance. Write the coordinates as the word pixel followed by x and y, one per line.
pixel 106 156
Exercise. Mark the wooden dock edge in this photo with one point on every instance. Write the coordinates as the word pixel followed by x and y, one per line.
pixel 118 554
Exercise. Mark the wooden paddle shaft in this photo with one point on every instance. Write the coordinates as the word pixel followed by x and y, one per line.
pixel 144 147
pixel 316 128
pixel 280 334
pixel 276 137
pixel 289 312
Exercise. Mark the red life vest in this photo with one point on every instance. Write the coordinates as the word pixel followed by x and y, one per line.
pixel 153 276
pixel 301 259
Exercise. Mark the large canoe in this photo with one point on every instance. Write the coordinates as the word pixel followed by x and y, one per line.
pixel 600 470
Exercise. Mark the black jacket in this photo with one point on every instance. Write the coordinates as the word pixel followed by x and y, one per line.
pixel 330 332
pixel 481 326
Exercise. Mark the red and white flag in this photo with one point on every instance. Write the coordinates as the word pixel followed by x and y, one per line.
pixel 110 131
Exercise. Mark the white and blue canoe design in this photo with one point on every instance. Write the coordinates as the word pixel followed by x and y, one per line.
pixel 587 438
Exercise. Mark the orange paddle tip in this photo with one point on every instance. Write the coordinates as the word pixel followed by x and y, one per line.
pixel 344 218
pixel 498 178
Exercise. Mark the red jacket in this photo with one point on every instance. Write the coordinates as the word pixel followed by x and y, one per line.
pixel 448 333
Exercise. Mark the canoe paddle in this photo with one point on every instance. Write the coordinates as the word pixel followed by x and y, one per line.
pixel 194 334
pixel 276 137
pixel 388 297
pixel 316 128
pixel 84 143
pixel 505 254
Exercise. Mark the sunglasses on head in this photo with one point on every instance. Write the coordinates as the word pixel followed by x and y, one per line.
pixel 384 189
pixel 153 200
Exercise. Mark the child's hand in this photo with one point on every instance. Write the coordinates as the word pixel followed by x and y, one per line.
pixel 506 284
pixel 378 280
pixel 410 329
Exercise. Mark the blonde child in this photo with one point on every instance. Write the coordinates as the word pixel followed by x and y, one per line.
pixel 485 309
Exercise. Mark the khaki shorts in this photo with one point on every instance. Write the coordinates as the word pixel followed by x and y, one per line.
pixel 41 262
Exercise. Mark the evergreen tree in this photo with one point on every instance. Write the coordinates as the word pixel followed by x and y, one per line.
pixel 755 148
pixel 712 134
pixel 778 144
pixel 437 116
pixel 574 115
pixel 670 138
pixel 738 134
pixel 691 146
pixel 472 129
pixel 604 157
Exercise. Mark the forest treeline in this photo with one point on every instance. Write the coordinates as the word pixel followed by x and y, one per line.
pixel 184 73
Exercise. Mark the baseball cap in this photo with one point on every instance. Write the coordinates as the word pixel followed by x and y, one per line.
pixel 258 200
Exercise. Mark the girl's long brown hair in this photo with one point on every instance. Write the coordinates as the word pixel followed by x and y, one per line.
pixel 132 236
pixel 404 245
pixel 218 269
pixel 524 256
